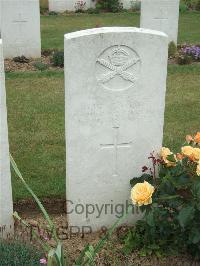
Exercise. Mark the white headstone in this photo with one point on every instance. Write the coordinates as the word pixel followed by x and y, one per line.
pixel 161 15
pixel 0 17
pixel 21 28
pixel 6 204
pixel 115 81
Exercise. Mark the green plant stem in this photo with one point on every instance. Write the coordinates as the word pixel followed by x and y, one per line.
pixel 18 173
pixel 45 246
pixel 169 197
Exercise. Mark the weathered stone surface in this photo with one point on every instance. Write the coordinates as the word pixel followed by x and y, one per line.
pixel 6 204
pixel 161 15
pixel 57 5
pixel 20 28
pixel 0 18
pixel 115 81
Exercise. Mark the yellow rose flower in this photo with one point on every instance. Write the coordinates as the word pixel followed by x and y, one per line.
pixel 196 154
pixel 192 153
pixel 141 193
pixel 198 169
pixel 187 150
pixel 164 153
pixel 197 137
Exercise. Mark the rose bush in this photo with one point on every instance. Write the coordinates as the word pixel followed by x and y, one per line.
pixel 170 201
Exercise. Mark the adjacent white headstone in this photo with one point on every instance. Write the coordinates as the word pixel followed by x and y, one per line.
pixel 161 15
pixel 115 81
pixel 21 28
pixel 0 17
pixel 6 204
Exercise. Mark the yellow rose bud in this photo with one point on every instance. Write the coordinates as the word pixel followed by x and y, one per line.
pixel 179 156
pixel 197 137
pixel 141 193
pixel 189 138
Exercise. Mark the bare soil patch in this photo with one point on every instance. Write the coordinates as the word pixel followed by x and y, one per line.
pixel 74 243
pixel 12 66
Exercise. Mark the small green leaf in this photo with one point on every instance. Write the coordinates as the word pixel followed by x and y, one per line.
pixel 171 158
pixel 196 189
pixel 186 215
pixel 150 219
pixel 195 236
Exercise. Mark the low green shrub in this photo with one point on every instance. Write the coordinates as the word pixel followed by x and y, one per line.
pixel 21 59
pixel 170 201
pixel 40 66
pixel 58 58
pixel 93 11
pixel 183 7
pixel 53 13
pixel 172 49
pixel 190 4
pixel 18 254
pixel 184 59
pixel 109 5
pixel 43 10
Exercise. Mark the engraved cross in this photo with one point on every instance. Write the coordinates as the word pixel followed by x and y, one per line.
pixel 116 146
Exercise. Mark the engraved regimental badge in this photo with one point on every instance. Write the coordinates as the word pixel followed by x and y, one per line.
pixel 118 68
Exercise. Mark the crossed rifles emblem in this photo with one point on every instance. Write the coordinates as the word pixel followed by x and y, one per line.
pixel 118 66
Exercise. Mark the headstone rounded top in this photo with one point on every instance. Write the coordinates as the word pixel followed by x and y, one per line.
pixel 94 31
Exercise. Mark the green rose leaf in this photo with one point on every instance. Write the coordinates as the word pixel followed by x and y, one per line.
pixel 196 189
pixel 150 219
pixel 195 236
pixel 171 158
pixel 141 179
pixel 186 215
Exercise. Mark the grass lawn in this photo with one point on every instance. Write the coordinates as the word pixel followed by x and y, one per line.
pixel 54 27
pixel 36 123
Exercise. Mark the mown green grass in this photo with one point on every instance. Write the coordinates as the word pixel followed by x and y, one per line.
pixel 53 28
pixel 17 254
pixel 36 132
pixel 36 124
